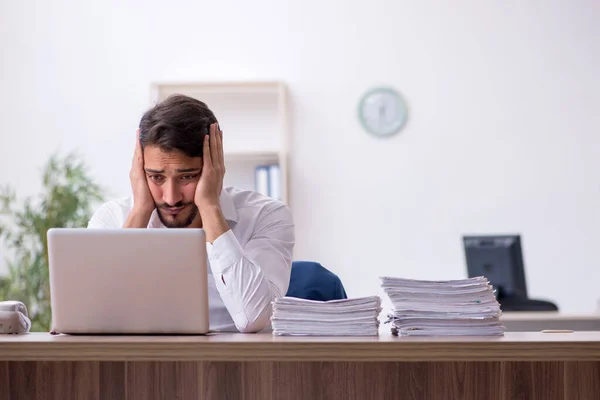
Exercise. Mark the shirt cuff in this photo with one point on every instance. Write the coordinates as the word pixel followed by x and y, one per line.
pixel 224 252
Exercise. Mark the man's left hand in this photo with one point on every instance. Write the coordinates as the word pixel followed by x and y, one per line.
pixel 210 184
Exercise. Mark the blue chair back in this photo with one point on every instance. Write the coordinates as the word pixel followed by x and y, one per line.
pixel 310 280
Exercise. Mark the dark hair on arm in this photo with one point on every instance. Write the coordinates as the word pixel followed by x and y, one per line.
pixel 177 123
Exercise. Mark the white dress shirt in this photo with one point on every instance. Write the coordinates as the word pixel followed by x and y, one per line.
pixel 254 257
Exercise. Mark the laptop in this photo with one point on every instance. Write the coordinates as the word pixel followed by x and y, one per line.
pixel 128 281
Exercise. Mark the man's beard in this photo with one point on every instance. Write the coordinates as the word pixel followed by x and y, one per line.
pixel 175 223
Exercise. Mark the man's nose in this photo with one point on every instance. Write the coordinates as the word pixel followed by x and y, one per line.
pixel 171 193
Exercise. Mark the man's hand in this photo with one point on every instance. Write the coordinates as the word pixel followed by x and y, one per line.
pixel 143 203
pixel 210 184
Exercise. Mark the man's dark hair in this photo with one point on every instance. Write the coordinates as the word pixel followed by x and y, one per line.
pixel 177 123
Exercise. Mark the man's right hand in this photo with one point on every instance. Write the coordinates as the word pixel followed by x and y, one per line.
pixel 143 203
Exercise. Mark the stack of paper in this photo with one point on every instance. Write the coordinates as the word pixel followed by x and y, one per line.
pixel 348 317
pixel 443 308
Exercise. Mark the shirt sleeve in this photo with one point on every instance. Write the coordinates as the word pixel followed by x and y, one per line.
pixel 249 278
pixel 108 216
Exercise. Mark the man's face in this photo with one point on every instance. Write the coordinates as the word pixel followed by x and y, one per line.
pixel 172 179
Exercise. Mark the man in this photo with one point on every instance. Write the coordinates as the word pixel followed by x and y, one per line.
pixel 177 182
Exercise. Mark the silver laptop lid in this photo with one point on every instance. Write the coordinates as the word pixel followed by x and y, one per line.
pixel 128 280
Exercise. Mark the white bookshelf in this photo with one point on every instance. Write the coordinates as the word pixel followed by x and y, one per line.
pixel 253 117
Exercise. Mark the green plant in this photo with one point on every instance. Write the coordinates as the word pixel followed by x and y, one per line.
pixel 67 198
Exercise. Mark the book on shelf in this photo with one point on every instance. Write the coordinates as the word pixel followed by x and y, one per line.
pixel 268 180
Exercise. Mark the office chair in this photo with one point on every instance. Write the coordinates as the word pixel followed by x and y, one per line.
pixel 310 280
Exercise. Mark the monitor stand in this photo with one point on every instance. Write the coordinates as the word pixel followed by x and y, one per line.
pixel 518 303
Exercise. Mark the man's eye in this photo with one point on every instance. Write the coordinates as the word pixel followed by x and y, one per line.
pixel 188 177
pixel 156 178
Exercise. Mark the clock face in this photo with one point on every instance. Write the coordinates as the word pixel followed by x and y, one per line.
pixel 382 111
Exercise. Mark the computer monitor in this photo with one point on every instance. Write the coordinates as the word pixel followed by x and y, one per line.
pixel 500 259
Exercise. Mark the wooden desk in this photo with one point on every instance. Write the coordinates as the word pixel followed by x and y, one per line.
pixel 537 321
pixel 519 365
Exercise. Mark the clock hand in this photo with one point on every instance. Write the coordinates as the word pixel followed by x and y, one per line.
pixel 381 114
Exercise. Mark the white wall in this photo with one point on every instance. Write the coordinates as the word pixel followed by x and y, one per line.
pixel 502 136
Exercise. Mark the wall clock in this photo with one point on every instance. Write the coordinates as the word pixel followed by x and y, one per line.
pixel 382 111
